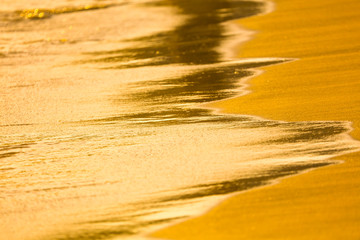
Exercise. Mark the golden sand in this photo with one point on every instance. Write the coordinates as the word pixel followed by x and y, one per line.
pixel 323 84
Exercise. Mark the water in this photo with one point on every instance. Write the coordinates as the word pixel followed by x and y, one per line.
pixel 103 133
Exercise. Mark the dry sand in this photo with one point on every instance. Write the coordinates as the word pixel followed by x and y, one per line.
pixel 323 84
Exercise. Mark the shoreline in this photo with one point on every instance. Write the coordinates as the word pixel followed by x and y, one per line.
pixel 322 85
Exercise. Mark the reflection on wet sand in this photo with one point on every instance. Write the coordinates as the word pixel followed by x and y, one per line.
pixel 172 101
pixel 241 184
pixel 196 43
pixel 123 172
pixel 167 102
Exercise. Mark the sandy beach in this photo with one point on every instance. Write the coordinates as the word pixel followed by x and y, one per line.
pixel 122 118
pixel 321 84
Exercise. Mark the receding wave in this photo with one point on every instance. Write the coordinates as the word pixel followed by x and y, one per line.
pixel 105 135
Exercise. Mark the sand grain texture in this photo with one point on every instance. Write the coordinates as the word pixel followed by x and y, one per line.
pixel 322 84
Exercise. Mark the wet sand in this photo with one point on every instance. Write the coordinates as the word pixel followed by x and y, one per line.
pixel 322 84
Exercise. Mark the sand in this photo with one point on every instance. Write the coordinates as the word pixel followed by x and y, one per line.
pixel 322 84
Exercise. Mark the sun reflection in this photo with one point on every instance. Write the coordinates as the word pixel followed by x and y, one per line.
pixel 131 129
pixel 38 13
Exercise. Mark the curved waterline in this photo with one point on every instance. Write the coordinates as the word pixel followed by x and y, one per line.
pixel 156 156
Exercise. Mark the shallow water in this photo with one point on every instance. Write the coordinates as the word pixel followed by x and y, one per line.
pixel 103 133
